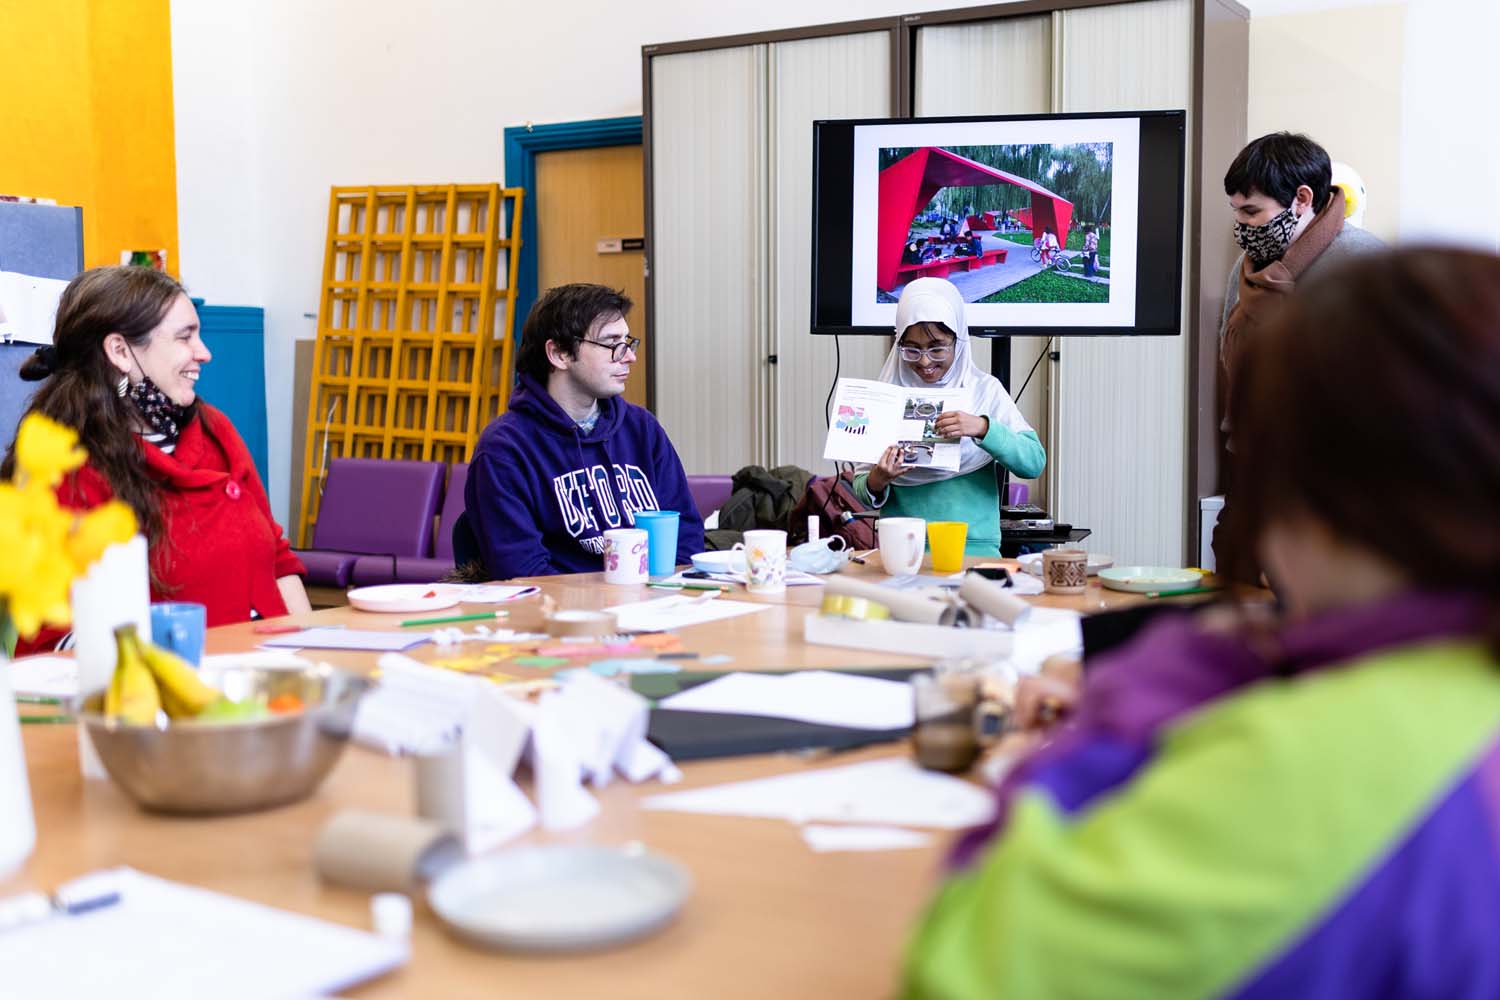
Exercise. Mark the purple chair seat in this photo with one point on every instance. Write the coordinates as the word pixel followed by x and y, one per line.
pixel 371 570
pixel 710 492
pixel 328 569
pixel 372 506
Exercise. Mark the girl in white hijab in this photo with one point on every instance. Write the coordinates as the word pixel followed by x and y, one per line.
pixel 932 350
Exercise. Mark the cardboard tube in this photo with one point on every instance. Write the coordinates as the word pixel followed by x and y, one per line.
pixel 992 598
pixel 379 852
pixel 903 606
pixel 582 623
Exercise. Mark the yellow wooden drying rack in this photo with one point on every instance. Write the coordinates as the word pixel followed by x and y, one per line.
pixel 410 361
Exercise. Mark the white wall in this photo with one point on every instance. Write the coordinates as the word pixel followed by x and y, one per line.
pixel 279 100
pixel 1450 146
pixel 1352 72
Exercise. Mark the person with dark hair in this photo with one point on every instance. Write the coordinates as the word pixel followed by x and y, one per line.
pixel 122 371
pixel 1301 802
pixel 570 459
pixel 1288 221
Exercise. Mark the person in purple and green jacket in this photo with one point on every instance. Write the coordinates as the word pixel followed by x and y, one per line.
pixel 1304 803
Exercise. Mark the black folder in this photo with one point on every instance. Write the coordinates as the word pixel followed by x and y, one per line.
pixel 686 735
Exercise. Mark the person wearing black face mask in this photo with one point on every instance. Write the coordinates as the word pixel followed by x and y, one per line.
pixel 1288 221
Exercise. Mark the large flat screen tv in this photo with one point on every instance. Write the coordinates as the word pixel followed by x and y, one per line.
pixel 1008 209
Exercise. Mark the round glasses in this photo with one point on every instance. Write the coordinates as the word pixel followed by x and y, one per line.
pixel 618 349
pixel 935 354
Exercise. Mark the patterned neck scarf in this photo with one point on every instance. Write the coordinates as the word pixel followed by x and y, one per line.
pixel 162 415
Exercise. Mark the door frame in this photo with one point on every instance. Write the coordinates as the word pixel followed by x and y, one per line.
pixel 522 143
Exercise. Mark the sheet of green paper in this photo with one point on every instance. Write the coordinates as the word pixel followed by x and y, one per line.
pixel 540 661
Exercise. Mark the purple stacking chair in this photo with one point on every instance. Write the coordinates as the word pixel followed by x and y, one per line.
pixel 421 569
pixel 710 492
pixel 372 506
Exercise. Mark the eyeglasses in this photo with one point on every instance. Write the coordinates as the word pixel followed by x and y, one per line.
pixel 618 349
pixel 934 354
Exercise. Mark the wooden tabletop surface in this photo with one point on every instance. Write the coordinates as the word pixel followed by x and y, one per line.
pixel 767 916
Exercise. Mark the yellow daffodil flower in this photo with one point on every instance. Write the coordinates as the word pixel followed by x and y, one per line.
pixel 47 450
pixel 97 530
pixel 46 545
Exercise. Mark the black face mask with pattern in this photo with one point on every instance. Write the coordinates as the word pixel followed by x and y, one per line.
pixel 1265 243
pixel 163 416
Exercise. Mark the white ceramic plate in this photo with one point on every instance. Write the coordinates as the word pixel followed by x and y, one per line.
pixel 1031 562
pixel 720 562
pixel 560 897
pixel 1146 579
pixel 393 598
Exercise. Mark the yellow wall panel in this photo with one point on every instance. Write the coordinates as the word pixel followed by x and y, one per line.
pixel 87 118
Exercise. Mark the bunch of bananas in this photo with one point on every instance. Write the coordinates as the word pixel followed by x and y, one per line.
pixel 149 679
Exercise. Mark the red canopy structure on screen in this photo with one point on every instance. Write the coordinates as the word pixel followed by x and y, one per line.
pixel 909 183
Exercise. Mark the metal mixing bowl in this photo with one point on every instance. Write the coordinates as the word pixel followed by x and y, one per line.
pixel 191 767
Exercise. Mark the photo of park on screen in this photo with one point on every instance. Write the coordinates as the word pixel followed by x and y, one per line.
pixel 1054 224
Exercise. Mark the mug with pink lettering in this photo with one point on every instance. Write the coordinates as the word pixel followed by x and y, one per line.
pixel 625 555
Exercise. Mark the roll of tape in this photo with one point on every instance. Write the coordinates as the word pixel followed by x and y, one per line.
pixel 858 608
pixel 581 623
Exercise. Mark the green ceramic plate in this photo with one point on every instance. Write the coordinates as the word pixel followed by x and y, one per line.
pixel 1149 579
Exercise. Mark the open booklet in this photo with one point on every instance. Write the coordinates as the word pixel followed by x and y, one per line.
pixel 869 417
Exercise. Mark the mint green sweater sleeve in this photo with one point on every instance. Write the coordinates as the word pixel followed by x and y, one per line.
pixel 1021 452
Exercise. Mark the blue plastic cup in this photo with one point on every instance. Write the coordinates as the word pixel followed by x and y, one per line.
pixel 179 626
pixel 661 539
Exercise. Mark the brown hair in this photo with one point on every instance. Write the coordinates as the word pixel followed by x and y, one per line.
pixel 81 387
pixel 1372 402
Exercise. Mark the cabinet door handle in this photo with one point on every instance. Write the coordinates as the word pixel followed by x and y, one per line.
pixel 770 359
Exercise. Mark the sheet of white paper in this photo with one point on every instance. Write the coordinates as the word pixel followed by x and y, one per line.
pixel 862 838
pixel 368 640
pixel 1044 632
pixel 168 940
pixel 665 614
pixel 820 696
pixel 28 307
pixel 891 792
pixel 415 709
pixel 869 416
pixel 490 593
pixel 495 809
pixel 116 590
pixel 557 768
pixel 44 676
pixel 794 578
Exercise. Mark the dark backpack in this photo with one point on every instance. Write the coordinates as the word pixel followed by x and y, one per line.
pixel 829 498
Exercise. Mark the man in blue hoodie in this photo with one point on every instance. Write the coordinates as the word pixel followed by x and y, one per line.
pixel 570 459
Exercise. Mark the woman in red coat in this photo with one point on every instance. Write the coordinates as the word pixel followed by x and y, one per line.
pixel 123 372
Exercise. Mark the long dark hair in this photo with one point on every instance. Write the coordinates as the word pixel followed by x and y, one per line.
pixel 81 389
pixel 1372 402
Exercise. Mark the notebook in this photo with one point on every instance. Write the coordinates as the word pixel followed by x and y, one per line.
pixel 165 940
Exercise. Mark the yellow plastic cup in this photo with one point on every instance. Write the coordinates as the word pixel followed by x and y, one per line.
pixel 946 539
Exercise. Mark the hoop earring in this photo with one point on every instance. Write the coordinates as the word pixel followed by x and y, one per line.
pixel 123 386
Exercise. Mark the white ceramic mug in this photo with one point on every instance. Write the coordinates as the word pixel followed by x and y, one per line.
pixel 626 552
pixel 903 540
pixel 765 561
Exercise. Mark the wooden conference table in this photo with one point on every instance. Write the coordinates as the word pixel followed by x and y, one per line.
pixel 767 917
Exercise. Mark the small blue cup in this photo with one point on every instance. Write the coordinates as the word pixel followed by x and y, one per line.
pixel 179 626
pixel 661 539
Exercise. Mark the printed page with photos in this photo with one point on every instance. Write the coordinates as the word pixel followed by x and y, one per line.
pixel 868 417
